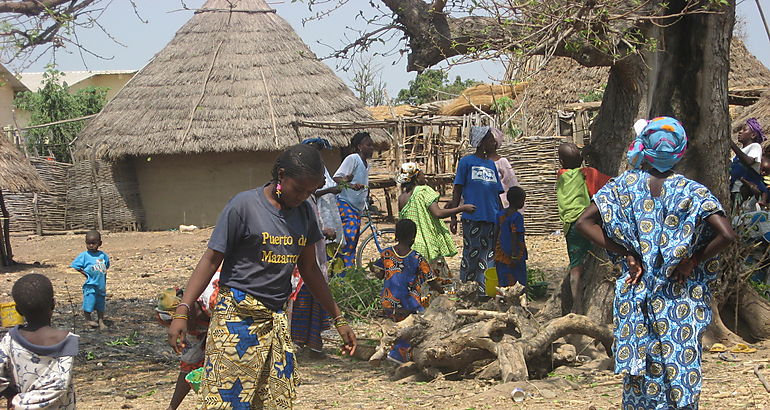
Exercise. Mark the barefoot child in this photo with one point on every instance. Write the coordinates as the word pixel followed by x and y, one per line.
pixel 35 358
pixel 192 354
pixel 404 271
pixel 93 264
pixel 511 250
pixel 574 189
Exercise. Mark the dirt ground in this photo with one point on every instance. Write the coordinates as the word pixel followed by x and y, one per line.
pixel 129 365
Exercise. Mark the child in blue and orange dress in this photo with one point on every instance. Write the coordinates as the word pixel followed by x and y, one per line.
pixel 93 264
pixel 511 250
pixel 404 271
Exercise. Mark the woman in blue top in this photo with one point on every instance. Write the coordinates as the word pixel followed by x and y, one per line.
pixel 665 231
pixel 477 183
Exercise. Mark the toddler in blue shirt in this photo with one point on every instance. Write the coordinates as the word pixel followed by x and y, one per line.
pixel 93 264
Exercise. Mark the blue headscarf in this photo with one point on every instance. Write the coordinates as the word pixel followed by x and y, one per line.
pixel 323 143
pixel 661 143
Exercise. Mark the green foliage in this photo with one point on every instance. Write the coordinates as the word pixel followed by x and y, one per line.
pixel 433 85
pixel 125 341
pixel 762 288
pixel 502 105
pixel 595 95
pixel 356 292
pixel 53 103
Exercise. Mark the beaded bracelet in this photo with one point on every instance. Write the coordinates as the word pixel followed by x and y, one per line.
pixel 340 321
pixel 185 305
pixel 185 317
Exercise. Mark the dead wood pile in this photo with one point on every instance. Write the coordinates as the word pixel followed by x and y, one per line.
pixel 497 339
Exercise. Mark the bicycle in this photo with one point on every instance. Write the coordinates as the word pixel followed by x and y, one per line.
pixel 377 240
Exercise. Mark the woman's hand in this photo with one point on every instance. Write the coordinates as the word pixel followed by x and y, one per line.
pixel 635 269
pixel 356 187
pixel 348 339
pixel 684 269
pixel 453 225
pixel 469 208
pixel 176 334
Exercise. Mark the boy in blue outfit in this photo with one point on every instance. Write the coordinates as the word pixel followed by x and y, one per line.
pixel 511 250
pixel 93 264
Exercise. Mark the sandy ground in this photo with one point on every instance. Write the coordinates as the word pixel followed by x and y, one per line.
pixel 129 365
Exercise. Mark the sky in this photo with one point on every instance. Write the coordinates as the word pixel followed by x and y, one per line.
pixel 160 19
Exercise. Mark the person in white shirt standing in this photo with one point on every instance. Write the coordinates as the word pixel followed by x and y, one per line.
pixel 747 160
pixel 353 176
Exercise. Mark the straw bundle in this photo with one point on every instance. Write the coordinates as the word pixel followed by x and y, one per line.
pixel 49 212
pixel 482 96
pixel 389 112
pixel 232 79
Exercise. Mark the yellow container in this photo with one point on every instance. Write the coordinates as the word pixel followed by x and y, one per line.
pixel 10 317
pixel 491 281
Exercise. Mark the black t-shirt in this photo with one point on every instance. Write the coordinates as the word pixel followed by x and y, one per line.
pixel 262 244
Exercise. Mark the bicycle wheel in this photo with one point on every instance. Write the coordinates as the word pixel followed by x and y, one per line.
pixel 367 249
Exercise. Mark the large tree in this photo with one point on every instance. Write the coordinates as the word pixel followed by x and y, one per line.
pixel 665 58
pixel 29 28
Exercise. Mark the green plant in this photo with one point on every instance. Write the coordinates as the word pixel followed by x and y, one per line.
pixel 502 104
pixel 762 288
pixel 129 340
pixel 595 95
pixel 54 102
pixel 356 292
pixel 90 355
pixel 433 85
pixel 535 275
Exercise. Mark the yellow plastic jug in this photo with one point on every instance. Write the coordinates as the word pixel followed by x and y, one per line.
pixel 491 281
pixel 10 317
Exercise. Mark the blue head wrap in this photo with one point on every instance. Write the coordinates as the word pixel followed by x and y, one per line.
pixel 661 143
pixel 323 143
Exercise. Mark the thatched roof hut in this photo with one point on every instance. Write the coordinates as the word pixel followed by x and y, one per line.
pixel 16 173
pixel 229 80
pixel 563 81
pixel 208 115
pixel 759 110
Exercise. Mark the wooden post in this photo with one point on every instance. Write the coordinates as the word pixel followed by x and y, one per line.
pixel 99 204
pixel 762 16
pixel 36 213
pixel 7 253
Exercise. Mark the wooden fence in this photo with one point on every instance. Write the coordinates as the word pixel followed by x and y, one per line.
pixel 103 195
pixel 41 212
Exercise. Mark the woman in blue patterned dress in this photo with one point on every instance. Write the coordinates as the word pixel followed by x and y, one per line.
pixel 666 232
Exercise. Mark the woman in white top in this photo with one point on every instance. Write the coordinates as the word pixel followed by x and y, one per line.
pixel 504 168
pixel 353 176
pixel 747 160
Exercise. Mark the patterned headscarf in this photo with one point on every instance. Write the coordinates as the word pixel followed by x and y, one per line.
pixel 661 143
pixel 408 171
pixel 759 136
pixel 322 142
pixel 478 134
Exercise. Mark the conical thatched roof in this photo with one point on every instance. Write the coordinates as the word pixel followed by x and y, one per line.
pixel 231 79
pixel 16 173
pixel 563 81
